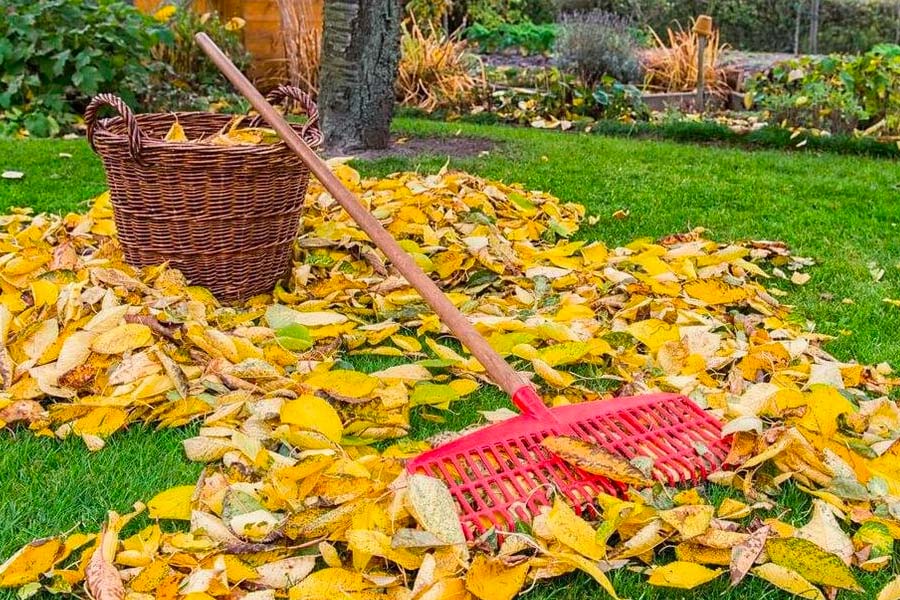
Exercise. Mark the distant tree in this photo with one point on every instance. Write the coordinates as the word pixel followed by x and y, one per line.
pixel 814 27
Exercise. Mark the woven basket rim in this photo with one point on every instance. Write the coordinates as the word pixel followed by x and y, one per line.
pixel 103 136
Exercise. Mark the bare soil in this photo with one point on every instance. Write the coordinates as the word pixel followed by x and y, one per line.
pixel 405 147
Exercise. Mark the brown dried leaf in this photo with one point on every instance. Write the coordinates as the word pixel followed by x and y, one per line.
pixel 594 459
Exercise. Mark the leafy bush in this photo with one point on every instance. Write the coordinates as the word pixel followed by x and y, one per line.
pixel 185 79
pixel 493 13
pixel 835 92
pixel 55 54
pixel 526 38
pixel 595 44
pixel 816 106
pixel 558 96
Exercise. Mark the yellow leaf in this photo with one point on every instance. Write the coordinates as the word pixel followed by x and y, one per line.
pixel 122 339
pixel 464 387
pixel 564 353
pixel 798 278
pixel 352 384
pixel 643 541
pixel 431 505
pixel 29 562
pixel 329 584
pixel 555 378
pixel 733 509
pixel 102 421
pixel 44 292
pixel 573 531
pixel 75 350
pixel 433 394
pixel 811 562
pixel 824 405
pixel 407 343
pixel 653 333
pixel 714 291
pixel 891 591
pixel 875 535
pixel 491 579
pixel 312 412
pixel 174 503
pixel 445 589
pixel 375 543
pixel 165 13
pixel 682 575
pixel 176 131
pixel 824 531
pixel 689 520
pixel 592 458
pixel 235 23
pixel 695 553
pixel 789 581
pixel 43 338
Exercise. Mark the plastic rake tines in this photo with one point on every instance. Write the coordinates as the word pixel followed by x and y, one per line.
pixel 501 474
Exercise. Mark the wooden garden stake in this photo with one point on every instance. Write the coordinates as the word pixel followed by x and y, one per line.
pixel 703 29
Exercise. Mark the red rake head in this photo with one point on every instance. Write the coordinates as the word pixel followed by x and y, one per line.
pixel 502 474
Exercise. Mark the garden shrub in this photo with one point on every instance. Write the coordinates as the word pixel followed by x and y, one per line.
pixel 185 78
pixel 458 14
pixel 56 54
pixel 597 43
pixel 837 93
pixel 558 95
pixel 526 38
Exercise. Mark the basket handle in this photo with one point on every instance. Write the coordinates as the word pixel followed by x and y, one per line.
pixel 131 125
pixel 310 130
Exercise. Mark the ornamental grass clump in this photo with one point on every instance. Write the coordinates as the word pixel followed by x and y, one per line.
pixel 671 65
pixel 435 70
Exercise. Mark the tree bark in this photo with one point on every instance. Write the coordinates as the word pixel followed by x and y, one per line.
pixel 360 54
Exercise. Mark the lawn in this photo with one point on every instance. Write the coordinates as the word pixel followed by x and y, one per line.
pixel 842 211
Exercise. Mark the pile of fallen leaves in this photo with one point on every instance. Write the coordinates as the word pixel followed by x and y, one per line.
pixel 305 494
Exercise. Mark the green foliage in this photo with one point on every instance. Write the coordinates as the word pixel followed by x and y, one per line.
pixel 835 92
pixel 186 79
pixel 767 25
pixel 595 44
pixel 54 54
pixel 493 13
pixel 561 96
pixel 525 38
pixel 427 12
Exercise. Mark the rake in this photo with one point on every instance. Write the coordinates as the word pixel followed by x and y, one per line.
pixel 501 474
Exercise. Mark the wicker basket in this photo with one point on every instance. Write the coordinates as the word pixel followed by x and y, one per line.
pixel 226 216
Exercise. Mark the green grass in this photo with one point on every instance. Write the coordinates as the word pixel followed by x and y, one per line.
pixel 708 132
pixel 843 211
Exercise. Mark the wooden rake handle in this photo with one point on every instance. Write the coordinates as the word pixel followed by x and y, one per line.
pixel 523 395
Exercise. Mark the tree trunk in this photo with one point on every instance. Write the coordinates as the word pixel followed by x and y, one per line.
pixel 797 17
pixel 897 23
pixel 360 53
pixel 814 28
